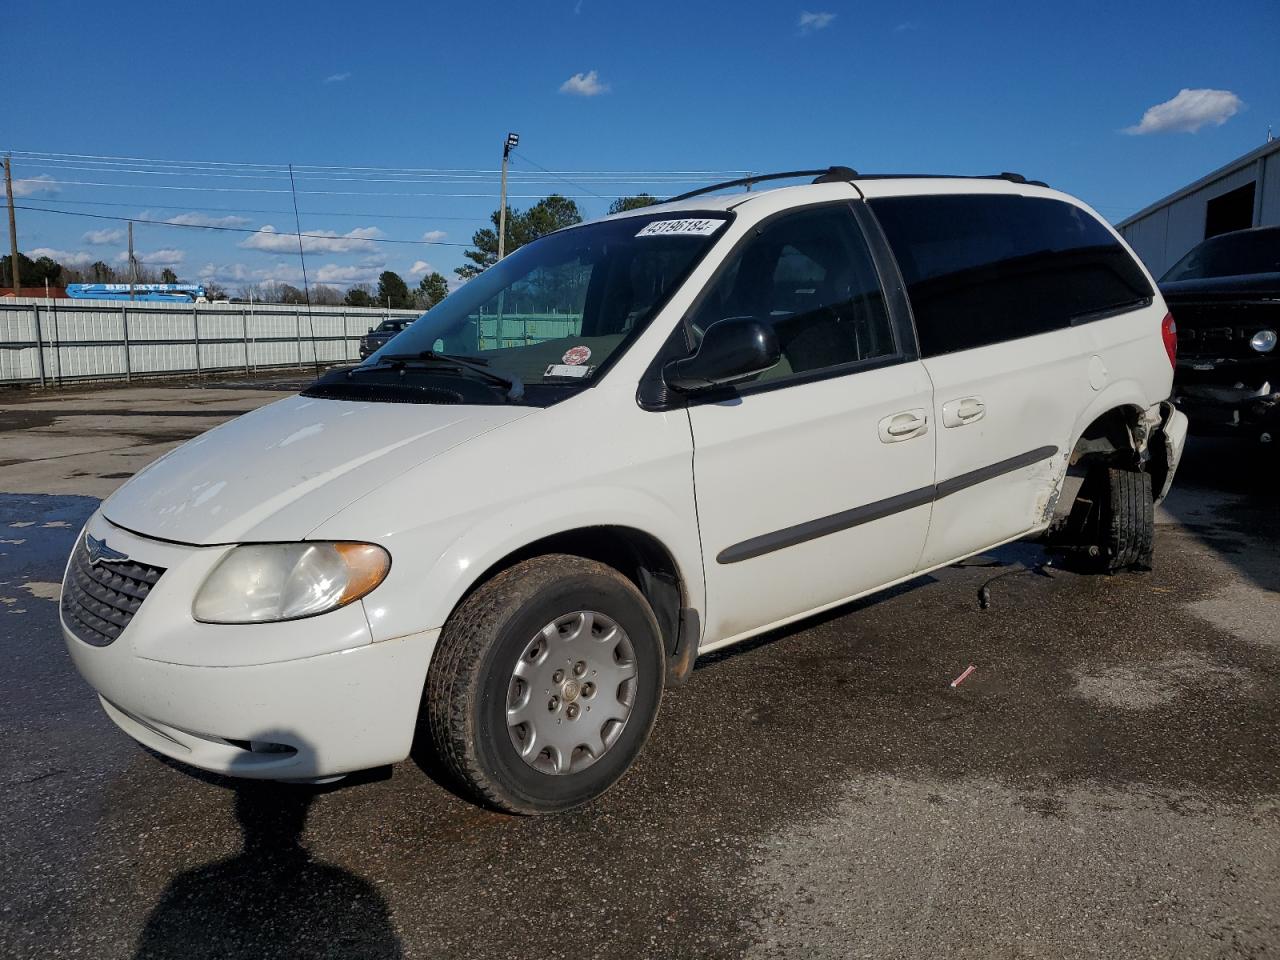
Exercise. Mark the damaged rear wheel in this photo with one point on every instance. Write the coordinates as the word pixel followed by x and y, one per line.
pixel 1125 523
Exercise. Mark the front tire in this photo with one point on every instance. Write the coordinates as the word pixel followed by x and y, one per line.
pixel 545 684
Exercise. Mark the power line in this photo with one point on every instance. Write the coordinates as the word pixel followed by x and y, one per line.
pixel 282 213
pixel 522 176
pixel 317 193
pixel 104 159
pixel 225 229
pixel 558 177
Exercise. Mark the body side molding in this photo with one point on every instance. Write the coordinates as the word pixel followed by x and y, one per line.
pixel 823 526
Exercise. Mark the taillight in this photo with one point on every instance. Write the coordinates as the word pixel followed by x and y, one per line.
pixel 1169 334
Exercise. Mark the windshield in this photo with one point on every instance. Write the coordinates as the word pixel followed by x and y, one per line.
pixel 556 310
pixel 1230 255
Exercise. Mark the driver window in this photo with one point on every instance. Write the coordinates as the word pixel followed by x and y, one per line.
pixel 811 277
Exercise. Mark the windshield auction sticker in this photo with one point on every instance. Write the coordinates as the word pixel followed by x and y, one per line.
pixel 577 355
pixel 702 227
pixel 567 370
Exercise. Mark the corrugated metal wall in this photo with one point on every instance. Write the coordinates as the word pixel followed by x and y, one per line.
pixel 56 340
pixel 1162 236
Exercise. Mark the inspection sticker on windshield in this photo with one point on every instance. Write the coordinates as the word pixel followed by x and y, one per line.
pixel 700 227
pixel 567 370
pixel 576 355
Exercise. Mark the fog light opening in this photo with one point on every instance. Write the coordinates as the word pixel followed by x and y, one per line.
pixel 266 746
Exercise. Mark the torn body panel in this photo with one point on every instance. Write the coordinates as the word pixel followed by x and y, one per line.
pixel 1126 438
pixel 1047 504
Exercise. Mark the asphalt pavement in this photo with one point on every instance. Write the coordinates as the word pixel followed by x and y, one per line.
pixel 1106 783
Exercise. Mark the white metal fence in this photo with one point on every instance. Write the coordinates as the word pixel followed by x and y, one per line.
pixel 53 341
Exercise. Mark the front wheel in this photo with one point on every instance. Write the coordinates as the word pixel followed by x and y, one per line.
pixel 545 684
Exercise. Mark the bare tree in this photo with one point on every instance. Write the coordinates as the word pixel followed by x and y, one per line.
pixel 271 291
pixel 325 296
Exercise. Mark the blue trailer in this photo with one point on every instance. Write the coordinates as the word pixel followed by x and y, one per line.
pixel 163 292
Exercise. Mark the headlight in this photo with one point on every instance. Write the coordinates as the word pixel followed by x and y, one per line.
pixel 1264 341
pixel 260 583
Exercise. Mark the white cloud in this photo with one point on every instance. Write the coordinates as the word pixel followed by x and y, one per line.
pixel 584 85
pixel 1188 112
pixel 232 273
pixel 337 77
pixel 814 21
pixel 204 220
pixel 321 241
pixel 68 258
pixel 335 273
pixel 421 268
pixel 905 26
pixel 32 185
pixel 100 237
pixel 165 257
pixel 433 236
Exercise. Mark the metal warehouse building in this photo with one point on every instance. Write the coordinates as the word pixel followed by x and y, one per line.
pixel 1245 193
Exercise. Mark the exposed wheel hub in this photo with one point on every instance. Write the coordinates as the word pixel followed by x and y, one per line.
pixel 571 692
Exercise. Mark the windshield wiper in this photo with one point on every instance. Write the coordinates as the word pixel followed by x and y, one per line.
pixel 513 385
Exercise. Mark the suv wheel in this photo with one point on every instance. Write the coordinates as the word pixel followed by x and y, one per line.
pixel 1126 519
pixel 545 684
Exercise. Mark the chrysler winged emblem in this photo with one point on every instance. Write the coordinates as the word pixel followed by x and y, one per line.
pixel 99 552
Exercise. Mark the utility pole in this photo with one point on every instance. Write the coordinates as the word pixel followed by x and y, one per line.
pixel 513 139
pixel 133 264
pixel 13 228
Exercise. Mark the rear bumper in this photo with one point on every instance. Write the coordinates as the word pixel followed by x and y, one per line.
pixel 1173 440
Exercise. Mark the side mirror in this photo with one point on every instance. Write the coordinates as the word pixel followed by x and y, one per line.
pixel 731 350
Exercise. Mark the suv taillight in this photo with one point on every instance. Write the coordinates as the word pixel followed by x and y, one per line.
pixel 1169 334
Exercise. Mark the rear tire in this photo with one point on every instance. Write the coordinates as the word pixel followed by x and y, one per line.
pixel 491 703
pixel 1126 520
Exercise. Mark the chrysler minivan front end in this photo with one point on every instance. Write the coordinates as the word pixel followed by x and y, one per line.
pixel 264 601
pixel 245 660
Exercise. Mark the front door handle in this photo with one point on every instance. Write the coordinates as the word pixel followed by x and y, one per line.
pixel 956 413
pixel 903 426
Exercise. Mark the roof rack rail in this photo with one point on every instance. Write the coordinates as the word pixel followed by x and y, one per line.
pixel 840 174
pixel 1006 175
pixel 829 175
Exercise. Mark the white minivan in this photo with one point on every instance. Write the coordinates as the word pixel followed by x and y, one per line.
pixel 632 441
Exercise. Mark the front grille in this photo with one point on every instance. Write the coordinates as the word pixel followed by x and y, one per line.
pixel 99 599
pixel 1223 330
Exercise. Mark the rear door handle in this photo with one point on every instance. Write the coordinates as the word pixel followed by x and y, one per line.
pixel 903 426
pixel 956 413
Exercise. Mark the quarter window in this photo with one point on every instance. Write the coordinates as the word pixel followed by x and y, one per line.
pixel 809 275
pixel 981 269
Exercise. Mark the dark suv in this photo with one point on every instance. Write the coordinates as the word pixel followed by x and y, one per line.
pixel 377 338
pixel 1225 299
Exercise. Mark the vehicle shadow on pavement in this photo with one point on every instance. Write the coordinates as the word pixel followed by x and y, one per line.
pixel 1225 495
pixel 272 899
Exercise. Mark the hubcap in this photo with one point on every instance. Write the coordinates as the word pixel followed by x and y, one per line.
pixel 571 692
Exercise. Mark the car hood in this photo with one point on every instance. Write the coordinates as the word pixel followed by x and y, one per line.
pixel 279 472
pixel 1249 286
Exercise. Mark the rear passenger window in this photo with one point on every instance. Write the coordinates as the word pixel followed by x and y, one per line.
pixel 981 269
pixel 810 275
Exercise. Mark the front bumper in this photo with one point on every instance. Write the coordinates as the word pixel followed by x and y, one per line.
pixel 1228 411
pixel 1229 397
pixel 322 700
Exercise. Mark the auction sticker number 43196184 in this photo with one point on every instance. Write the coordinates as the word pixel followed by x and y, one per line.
pixel 700 227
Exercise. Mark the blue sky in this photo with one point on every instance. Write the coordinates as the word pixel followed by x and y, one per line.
pixel 592 87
